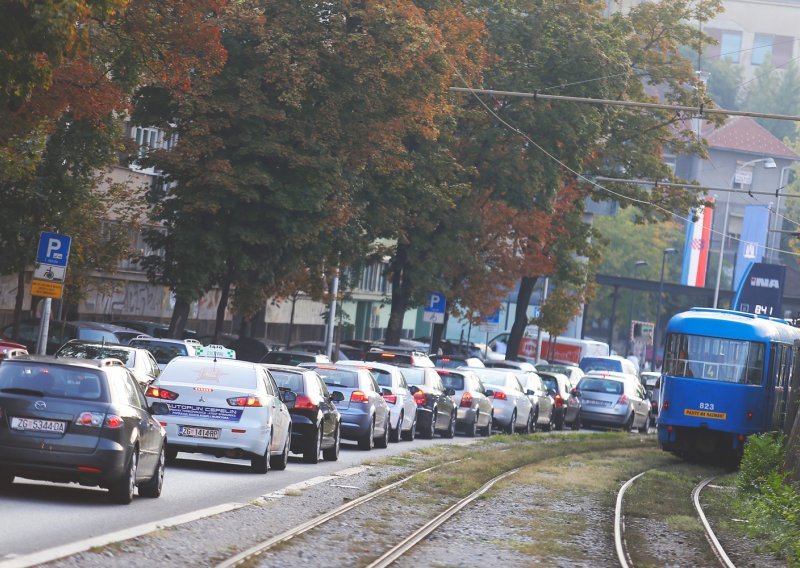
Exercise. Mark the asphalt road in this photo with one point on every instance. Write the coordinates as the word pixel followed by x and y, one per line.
pixel 41 515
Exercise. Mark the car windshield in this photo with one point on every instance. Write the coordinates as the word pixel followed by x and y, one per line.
pixel 91 351
pixel 162 351
pixel 455 382
pixel 714 359
pixel 338 377
pixel 97 335
pixel 57 381
pixel 288 380
pixel 414 376
pixel 600 364
pixel 607 386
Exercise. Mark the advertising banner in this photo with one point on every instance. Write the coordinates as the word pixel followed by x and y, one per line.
pixel 761 290
pixel 754 238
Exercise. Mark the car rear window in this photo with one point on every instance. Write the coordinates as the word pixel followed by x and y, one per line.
pixel 601 385
pixel 97 335
pixel 414 375
pixel 289 380
pixel 383 377
pixel 338 377
pixel 549 382
pixel 211 373
pixel 278 358
pixel 450 381
pixel 494 379
pixel 58 381
pixel 600 364
pixel 162 351
pixel 83 351
pixel 391 358
pixel 448 363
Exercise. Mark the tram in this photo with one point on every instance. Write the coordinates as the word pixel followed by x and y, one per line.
pixel 726 375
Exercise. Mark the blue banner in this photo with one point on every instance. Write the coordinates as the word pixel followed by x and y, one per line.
pixel 761 290
pixel 753 240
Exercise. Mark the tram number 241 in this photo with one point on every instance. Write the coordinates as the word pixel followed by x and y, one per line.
pixel 706 406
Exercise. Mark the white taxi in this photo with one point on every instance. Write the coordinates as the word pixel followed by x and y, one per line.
pixel 225 408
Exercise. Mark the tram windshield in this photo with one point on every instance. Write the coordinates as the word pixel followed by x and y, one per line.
pixel 714 359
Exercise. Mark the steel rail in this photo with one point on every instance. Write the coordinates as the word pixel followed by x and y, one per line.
pixel 390 556
pixel 302 528
pixel 619 540
pixel 710 536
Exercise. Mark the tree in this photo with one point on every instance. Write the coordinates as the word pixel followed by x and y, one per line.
pixel 723 83
pixel 774 92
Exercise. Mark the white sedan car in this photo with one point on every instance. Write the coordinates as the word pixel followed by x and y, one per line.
pixel 225 408
pixel 402 406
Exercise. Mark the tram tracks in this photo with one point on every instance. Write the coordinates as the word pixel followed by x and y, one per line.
pixel 623 553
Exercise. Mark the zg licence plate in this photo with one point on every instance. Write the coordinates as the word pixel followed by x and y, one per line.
pixel 197 432
pixel 38 425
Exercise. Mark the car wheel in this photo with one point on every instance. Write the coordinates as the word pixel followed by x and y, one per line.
pixel 629 423
pixel 280 462
pixel 394 435
pixel 332 453
pixel 260 464
pixel 6 480
pixel 645 428
pixel 311 453
pixel 383 441
pixel 472 429
pixel 549 426
pixel 533 422
pixel 171 455
pixel 576 424
pixel 510 428
pixel 121 490
pixel 487 431
pixel 367 441
pixel 451 427
pixel 409 435
pixel 152 487
pixel 559 422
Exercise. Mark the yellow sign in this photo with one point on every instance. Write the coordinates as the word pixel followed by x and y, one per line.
pixel 46 289
pixel 705 414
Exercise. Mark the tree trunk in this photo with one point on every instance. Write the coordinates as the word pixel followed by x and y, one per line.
pixel 20 298
pixel 401 290
pixel 223 304
pixel 180 317
pixel 520 316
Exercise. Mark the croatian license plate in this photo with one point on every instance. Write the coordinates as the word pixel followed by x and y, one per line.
pixel 592 402
pixel 197 432
pixel 38 425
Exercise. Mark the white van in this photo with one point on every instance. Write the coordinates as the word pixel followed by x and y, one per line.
pixel 555 350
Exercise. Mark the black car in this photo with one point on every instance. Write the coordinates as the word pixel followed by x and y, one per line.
pixel 315 419
pixel 155 329
pixel 92 419
pixel 59 332
pixel 436 410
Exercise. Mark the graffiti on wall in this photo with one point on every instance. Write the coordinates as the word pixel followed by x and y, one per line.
pixel 129 299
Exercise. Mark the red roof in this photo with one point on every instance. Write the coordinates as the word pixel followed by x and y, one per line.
pixel 743 134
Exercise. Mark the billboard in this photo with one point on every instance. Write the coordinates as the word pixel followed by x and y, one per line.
pixel 753 239
pixel 760 291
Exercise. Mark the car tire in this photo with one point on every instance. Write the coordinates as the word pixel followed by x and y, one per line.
pixel 409 435
pixel 153 486
pixel 428 427
pixel 549 426
pixel 280 462
pixel 487 431
pixel 313 447
pixel 121 490
pixel 171 455
pixel 576 424
pixel 260 464
pixel 645 428
pixel 533 422
pixel 383 441
pixel 367 441
pixel 332 453
pixel 472 429
pixel 451 428
pixel 512 422
pixel 559 422
pixel 6 480
pixel 629 423
pixel 394 434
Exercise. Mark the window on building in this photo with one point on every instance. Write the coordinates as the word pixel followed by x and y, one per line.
pixel 762 47
pixel 782 50
pixel 730 45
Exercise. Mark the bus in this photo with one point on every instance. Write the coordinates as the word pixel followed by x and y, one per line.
pixel 556 350
pixel 727 375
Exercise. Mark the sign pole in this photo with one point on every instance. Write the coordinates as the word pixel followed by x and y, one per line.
pixel 44 328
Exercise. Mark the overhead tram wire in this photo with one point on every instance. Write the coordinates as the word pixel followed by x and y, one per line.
pixel 692 186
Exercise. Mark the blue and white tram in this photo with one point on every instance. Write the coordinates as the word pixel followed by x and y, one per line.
pixel 726 375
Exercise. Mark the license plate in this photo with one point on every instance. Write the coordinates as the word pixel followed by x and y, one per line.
pixel 38 425
pixel 592 402
pixel 197 432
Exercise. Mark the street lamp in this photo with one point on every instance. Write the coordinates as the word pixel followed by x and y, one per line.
pixel 637 264
pixel 665 252
pixel 769 163
pixel 776 230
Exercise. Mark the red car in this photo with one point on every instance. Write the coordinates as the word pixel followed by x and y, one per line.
pixel 9 349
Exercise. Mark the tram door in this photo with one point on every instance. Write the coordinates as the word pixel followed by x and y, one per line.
pixel 780 367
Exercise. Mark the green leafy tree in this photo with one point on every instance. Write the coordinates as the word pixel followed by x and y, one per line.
pixel 724 78
pixel 775 92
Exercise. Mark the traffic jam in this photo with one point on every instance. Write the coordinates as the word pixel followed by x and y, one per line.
pixel 103 425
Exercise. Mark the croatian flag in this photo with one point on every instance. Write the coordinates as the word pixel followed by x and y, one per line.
pixel 695 251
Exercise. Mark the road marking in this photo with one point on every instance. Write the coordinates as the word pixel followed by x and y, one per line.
pixel 103 540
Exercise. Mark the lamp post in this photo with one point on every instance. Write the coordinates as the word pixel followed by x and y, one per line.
pixel 637 264
pixel 664 253
pixel 777 224
pixel 769 163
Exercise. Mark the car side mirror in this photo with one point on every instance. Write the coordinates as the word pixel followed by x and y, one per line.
pixel 489 393
pixel 288 397
pixel 450 392
pixel 337 396
pixel 159 408
pixel 530 392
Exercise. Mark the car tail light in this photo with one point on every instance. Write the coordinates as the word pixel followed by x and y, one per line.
pixel 466 400
pixel 420 398
pixel 250 400
pixel 113 421
pixel 558 400
pixel 88 469
pixel 622 400
pixel 302 402
pixel 573 402
pixel 665 404
pixel 359 396
pixel 94 419
pixel 500 395
pixel 390 398
pixel 749 414
pixel 163 394
pixel 388 355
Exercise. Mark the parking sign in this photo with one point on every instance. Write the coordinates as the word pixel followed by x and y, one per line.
pixel 53 249
pixel 435 307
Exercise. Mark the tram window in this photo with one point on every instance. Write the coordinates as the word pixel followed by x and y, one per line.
pixel 714 358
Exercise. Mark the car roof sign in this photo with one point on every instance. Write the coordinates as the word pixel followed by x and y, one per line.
pixel 216 352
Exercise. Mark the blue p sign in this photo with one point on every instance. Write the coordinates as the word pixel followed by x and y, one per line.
pixel 53 249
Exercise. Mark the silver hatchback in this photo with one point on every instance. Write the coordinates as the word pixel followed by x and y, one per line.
pixel 475 411
pixel 615 400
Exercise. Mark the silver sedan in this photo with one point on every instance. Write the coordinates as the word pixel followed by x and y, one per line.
pixel 513 410
pixel 475 411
